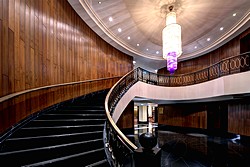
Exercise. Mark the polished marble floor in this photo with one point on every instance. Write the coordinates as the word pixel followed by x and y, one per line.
pixel 182 149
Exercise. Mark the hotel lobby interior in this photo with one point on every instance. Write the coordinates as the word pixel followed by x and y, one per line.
pixel 123 83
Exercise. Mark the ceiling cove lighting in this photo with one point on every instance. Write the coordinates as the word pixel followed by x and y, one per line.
pixel 171 38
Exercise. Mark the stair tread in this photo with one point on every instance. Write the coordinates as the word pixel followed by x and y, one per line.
pixel 103 163
pixel 44 141
pixel 51 161
pixel 66 122
pixel 51 136
pixel 63 126
pixel 48 147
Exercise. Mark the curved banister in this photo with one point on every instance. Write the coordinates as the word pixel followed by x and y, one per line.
pixel 7 97
pixel 230 65
pixel 246 53
pixel 111 121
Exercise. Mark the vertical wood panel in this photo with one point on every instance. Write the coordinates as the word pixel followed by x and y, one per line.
pixel 1 48
pixel 36 46
pixel 11 14
pixel 1 51
pixel 4 66
pixel 1 10
pixel 16 43
pixel 238 118
pixel 21 65
pixel 5 54
pixel 11 63
pixel 21 18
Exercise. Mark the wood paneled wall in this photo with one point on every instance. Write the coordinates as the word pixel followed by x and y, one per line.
pixel 126 120
pixel 230 116
pixel 183 115
pixel 45 42
pixel 231 48
pixel 239 117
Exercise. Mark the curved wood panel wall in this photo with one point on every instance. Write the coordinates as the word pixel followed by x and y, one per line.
pixel 44 42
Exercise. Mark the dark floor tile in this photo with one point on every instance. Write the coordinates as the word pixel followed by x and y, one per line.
pixel 194 149
pixel 179 163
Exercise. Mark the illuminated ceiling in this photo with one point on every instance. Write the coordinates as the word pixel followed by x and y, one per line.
pixel 206 25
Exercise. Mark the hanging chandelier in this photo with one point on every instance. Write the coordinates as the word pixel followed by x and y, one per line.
pixel 171 38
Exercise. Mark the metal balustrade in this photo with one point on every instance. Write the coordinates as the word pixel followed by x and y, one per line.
pixel 119 147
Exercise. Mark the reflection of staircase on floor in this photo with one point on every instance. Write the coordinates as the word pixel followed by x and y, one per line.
pixel 71 135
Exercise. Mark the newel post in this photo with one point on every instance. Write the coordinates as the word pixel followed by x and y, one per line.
pixel 148 154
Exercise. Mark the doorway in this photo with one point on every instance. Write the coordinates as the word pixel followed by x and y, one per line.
pixel 217 118
pixel 145 113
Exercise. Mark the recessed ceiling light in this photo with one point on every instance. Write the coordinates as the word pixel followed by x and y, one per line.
pixel 234 14
pixel 147 48
pixel 110 19
pixel 128 37
pixel 221 28
pixel 138 44
pixel 99 2
pixel 134 62
pixel 195 47
pixel 208 39
pixel 119 30
pixel 157 52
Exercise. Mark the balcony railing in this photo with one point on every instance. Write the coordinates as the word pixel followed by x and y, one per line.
pixel 118 146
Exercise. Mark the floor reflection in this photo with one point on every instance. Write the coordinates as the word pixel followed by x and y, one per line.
pixel 194 149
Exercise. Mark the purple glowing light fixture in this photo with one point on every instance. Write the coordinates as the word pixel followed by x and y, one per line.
pixel 171 37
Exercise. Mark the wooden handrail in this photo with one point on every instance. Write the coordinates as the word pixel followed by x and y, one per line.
pixel 124 138
pixel 7 97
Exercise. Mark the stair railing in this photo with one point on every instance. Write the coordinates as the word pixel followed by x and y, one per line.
pixel 120 148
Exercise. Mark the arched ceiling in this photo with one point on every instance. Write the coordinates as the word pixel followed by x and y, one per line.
pixel 143 21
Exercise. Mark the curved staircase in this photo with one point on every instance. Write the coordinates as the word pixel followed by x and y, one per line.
pixel 69 135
